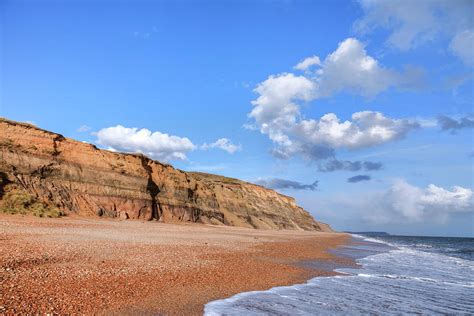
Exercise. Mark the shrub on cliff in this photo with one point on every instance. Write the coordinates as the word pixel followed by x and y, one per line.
pixel 19 202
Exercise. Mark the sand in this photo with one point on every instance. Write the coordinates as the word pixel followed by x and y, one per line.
pixel 77 265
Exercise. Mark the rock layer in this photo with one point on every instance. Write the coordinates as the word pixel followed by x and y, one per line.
pixel 80 178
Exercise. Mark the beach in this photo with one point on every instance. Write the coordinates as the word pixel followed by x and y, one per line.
pixel 105 266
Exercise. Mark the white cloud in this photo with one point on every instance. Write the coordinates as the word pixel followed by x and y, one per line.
pixel 402 203
pixel 406 202
pixel 318 139
pixel 83 128
pixel 349 68
pixel 462 46
pixel 366 129
pixel 154 144
pixel 276 96
pixel 308 62
pixel 276 111
pixel 224 144
pixel 277 114
pixel 413 23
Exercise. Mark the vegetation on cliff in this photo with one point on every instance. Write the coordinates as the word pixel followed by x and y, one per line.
pixel 20 202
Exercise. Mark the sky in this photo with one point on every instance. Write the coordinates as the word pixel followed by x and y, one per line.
pixel 361 110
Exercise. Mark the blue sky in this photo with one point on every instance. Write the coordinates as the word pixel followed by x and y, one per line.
pixel 217 83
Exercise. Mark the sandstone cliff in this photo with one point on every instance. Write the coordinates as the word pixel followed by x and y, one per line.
pixel 79 178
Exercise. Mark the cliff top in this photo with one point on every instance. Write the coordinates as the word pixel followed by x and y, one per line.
pixel 203 176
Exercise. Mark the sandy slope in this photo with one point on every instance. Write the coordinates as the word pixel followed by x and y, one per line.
pixel 83 265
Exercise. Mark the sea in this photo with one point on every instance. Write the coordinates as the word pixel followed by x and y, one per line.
pixel 397 275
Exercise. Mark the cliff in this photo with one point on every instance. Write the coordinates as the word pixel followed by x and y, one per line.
pixel 79 178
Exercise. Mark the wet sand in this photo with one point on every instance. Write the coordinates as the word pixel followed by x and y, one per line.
pixel 97 266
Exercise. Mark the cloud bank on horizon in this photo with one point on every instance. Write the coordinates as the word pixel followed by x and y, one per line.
pixel 405 202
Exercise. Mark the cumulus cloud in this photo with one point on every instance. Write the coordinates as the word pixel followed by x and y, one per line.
pixel 349 68
pixel 453 125
pixel 307 63
pixel 276 183
pixel 154 144
pixel 318 139
pixel 336 165
pixel 413 23
pixel 358 178
pixel 224 144
pixel 366 129
pixel 277 108
pixel 406 202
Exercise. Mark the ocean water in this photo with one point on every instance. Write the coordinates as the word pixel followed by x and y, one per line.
pixel 397 275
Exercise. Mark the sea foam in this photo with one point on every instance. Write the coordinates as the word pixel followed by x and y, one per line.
pixel 398 280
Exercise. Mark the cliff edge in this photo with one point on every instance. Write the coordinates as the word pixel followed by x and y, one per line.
pixel 79 178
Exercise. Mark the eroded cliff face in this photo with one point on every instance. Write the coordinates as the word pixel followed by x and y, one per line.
pixel 80 178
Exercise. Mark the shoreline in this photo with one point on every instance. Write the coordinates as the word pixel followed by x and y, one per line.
pixel 103 266
pixel 389 271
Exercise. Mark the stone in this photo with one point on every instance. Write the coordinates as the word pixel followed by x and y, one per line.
pixel 123 215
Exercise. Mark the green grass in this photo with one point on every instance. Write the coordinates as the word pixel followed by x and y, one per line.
pixel 20 202
pixel 214 177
